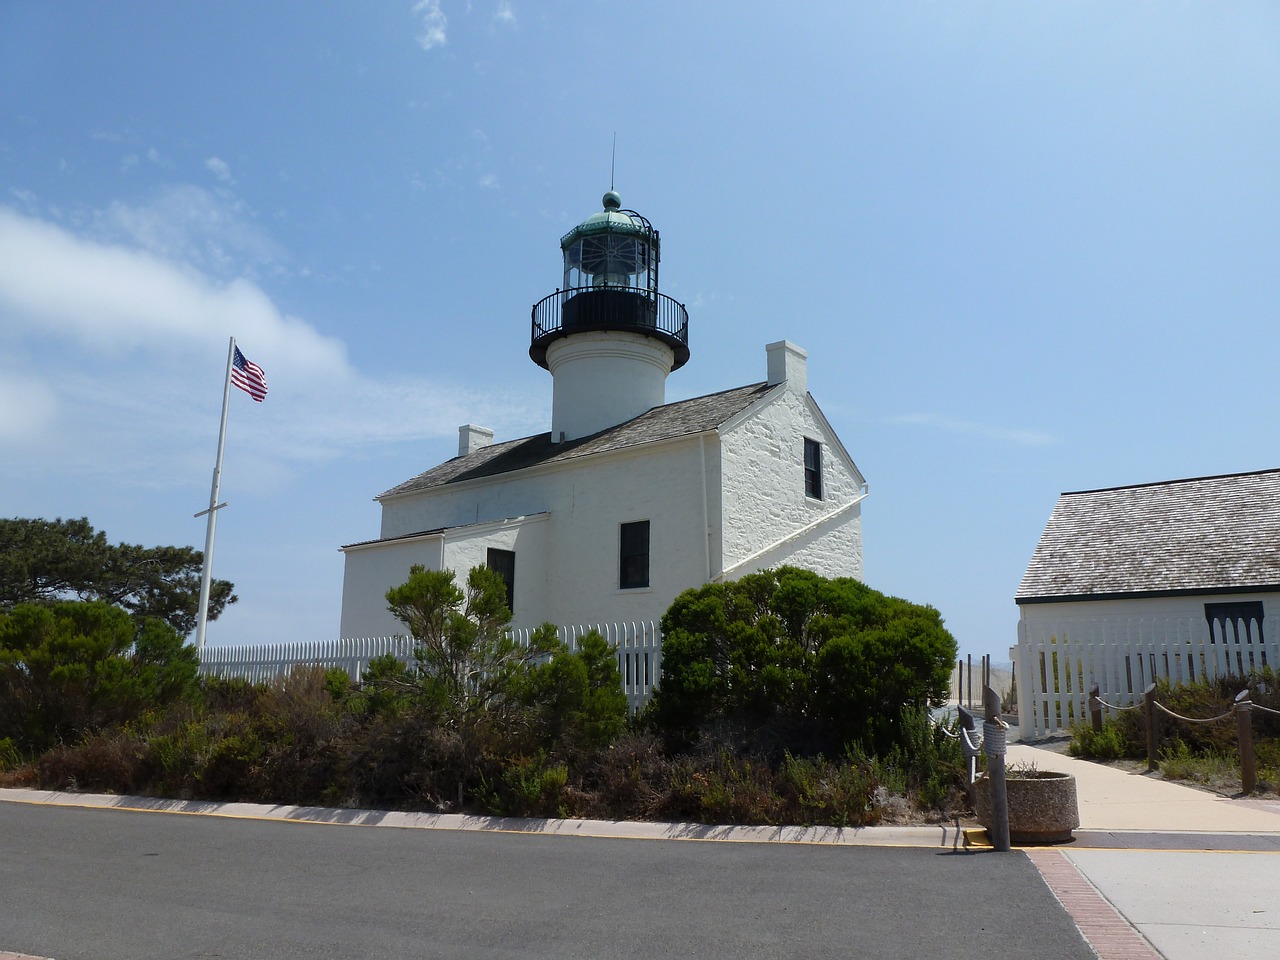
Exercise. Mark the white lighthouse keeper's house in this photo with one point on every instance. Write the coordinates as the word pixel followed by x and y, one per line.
pixel 627 500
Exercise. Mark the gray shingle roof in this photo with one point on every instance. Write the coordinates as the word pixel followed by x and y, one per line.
pixel 666 422
pixel 1205 535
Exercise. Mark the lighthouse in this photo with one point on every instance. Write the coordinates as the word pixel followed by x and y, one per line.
pixel 608 336
pixel 629 499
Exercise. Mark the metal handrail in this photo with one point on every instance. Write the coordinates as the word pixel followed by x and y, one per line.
pixel 670 316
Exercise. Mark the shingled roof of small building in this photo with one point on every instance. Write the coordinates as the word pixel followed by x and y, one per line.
pixel 666 422
pixel 1204 535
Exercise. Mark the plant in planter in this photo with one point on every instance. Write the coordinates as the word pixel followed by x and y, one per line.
pixel 1042 805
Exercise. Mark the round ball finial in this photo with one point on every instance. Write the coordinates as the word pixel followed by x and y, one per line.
pixel 612 201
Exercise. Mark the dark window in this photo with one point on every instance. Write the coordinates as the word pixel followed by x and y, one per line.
pixel 633 559
pixel 1240 622
pixel 503 563
pixel 812 469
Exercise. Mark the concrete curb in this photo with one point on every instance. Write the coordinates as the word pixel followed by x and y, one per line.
pixel 937 835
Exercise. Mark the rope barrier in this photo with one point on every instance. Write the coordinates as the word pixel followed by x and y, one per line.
pixel 1177 716
pixel 1138 706
pixel 1112 706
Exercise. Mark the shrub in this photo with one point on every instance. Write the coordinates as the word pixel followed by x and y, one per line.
pixel 70 668
pixel 9 756
pixel 786 660
pixel 574 700
pixel 819 792
pixel 1110 743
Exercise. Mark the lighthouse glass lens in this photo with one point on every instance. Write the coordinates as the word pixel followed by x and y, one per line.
pixel 609 260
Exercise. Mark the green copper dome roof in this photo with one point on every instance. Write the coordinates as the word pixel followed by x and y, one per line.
pixel 609 220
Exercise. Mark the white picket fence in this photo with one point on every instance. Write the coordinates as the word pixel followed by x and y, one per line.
pixel 638 645
pixel 1059 661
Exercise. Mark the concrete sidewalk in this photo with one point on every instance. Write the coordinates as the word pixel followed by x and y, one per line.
pixel 1112 799
pixel 1193 873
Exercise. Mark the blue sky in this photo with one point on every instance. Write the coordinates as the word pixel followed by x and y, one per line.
pixel 1030 247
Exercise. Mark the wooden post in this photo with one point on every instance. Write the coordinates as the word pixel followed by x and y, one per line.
pixel 1095 709
pixel 1244 730
pixel 1149 712
pixel 969 659
pixel 967 726
pixel 993 741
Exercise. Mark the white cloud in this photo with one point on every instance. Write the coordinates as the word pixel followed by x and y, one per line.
pixel 108 294
pixel 187 224
pixel 28 408
pixel 1021 436
pixel 505 15
pixel 434 23
pixel 489 181
pixel 116 356
pixel 219 169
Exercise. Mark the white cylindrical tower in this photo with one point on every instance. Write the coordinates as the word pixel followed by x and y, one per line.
pixel 608 336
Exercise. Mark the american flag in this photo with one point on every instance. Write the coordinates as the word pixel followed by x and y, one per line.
pixel 248 376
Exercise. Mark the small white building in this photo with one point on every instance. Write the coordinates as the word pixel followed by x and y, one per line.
pixel 627 500
pixel 1129 584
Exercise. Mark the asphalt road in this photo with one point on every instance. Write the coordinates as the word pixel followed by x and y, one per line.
pixel 79 884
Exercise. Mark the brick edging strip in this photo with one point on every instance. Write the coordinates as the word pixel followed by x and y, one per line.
pixel 1111 936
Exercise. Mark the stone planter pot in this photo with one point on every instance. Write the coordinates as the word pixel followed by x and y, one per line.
pixel 1042 806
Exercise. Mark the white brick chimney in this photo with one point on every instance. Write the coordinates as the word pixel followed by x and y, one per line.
pixel 471 438
pixel 788 362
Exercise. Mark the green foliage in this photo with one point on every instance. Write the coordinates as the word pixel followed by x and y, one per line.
pixel 385 687
pixel 68 667
pixel 476 722
pixel 931 764
pixel 1179 762
pixel 788 660
pixel 532 787
pixel 467 664
pixel 575 700
pixel 9 756
pixel 43 561
pixel 828 793
pixel 1110 743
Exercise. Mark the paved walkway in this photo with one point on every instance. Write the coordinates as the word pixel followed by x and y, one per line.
pixel 1161 870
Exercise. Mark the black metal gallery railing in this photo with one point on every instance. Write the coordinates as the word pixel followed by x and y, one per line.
pixel 581 309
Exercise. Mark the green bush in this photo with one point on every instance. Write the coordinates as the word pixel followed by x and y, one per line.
pixel 786 660
pixel 575 700
pixel 1110 743
pixel 931 764
pixel 70 668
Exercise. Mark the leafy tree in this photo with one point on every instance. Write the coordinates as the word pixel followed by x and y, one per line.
pixel 43 561
pixel 69 667
pixel 467 663
pixel 576 699
pixel 788 660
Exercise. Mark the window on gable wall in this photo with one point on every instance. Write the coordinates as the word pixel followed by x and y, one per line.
pixel 812 469
pixel 503 563
pixel 633 555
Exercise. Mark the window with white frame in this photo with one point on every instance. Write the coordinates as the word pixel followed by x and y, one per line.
pixel 812 469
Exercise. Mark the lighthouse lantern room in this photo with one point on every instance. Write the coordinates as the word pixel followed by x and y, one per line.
pixel 608 336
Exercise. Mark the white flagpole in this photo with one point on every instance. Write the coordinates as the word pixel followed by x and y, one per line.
pixel 206 571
